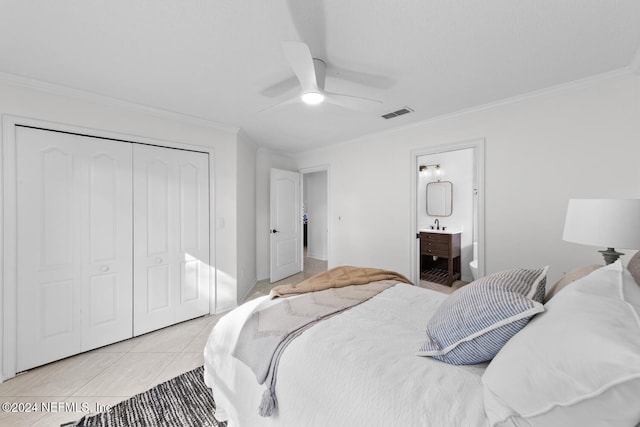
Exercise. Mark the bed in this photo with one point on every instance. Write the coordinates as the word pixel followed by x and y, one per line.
pixel 374 363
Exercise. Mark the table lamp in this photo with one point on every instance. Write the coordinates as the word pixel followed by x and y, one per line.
pixel 610 223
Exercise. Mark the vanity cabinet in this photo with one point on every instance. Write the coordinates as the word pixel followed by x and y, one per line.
pixel 440 257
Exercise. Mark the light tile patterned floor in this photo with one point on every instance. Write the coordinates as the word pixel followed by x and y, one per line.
pixel 443 288
pixel 88 382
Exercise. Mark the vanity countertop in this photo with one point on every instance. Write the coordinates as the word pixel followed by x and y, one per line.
pixel 441 231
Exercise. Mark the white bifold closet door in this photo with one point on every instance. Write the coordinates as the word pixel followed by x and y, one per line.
pixel 74 271
pixel 171 236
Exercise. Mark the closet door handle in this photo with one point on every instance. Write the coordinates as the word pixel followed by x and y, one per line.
pixel 104 268
pixel 158 260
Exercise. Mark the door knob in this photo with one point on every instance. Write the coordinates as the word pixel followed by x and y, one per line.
pixel 158 260
pixel 104 268
pixel 274 231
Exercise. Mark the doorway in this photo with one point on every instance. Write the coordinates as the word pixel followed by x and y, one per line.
pixel 461 165
pixel 315 220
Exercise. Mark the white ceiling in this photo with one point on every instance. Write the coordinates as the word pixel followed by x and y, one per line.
pixel 221 60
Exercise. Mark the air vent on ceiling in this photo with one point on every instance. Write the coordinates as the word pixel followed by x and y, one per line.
pixel 400 112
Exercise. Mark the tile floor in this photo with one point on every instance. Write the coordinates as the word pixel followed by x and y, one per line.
pixel 442 288
pixel 89 382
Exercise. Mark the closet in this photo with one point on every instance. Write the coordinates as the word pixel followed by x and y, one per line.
pixel 112 241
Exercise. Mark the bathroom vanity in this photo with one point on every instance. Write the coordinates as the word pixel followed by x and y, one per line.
pixel 440 256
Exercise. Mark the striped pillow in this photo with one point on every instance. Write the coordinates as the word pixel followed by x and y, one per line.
pixel 473 324
pixel 526 281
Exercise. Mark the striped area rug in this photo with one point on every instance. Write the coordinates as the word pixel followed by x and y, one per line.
pixel 182 401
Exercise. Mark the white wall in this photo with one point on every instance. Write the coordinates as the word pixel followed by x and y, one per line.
pixel 369 210
pixel 246 210
pixel 315 202
pixel 577 141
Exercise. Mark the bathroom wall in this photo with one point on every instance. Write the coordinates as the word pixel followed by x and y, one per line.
pixel 458 168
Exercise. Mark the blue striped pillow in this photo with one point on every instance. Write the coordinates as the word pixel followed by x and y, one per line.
pixel 527 281
pixel 473 324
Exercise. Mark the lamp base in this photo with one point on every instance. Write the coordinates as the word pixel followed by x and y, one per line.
pixel 610 255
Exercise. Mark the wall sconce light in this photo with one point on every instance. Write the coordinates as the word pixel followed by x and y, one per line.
pixel 424 170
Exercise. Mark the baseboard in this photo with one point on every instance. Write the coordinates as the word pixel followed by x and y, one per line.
pixel 321 257
pixel 249 290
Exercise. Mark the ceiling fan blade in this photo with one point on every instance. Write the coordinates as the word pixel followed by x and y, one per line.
pixel 299 57
pixel 353 102
pixel 362 78
pixel 275 107
pixel 279 89
pixel 309 20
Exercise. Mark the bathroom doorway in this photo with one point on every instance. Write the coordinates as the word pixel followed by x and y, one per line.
pixel 460 220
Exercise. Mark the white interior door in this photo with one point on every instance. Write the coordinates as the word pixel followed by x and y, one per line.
pixel 286 224
pixel 74 244
pixel 171 236
pixel 106 221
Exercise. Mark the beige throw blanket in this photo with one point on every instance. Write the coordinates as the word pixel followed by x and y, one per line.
pixel 337 278
pixel 274 324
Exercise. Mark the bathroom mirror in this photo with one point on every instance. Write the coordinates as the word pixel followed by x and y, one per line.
pixel 439 198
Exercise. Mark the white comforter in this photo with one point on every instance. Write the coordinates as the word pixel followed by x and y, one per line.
pixel 356 369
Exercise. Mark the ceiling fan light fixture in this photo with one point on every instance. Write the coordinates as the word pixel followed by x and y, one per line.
pixel 312 98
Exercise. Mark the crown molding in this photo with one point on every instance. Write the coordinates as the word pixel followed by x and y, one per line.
pixel 56 89
pixel 541 93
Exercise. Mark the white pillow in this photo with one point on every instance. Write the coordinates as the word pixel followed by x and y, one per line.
pixel 570 277
pixel 576 364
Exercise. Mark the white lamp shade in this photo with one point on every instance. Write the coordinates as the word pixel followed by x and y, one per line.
pixel 610 223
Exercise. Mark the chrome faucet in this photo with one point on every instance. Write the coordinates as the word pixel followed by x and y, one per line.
pixel 437 222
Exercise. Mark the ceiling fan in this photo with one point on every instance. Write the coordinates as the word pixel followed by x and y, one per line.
pixel 311 75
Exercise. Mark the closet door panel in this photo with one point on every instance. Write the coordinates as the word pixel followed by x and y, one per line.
pixel 66 219
pixel 108 261
pixel 158 288
pixel 158 198
pixel 54 195
pixel 48 272
pixel 171 204
pixel 157 232
pixel 103 299
pixel 104 196
pixel 153 238
pixel 193 191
